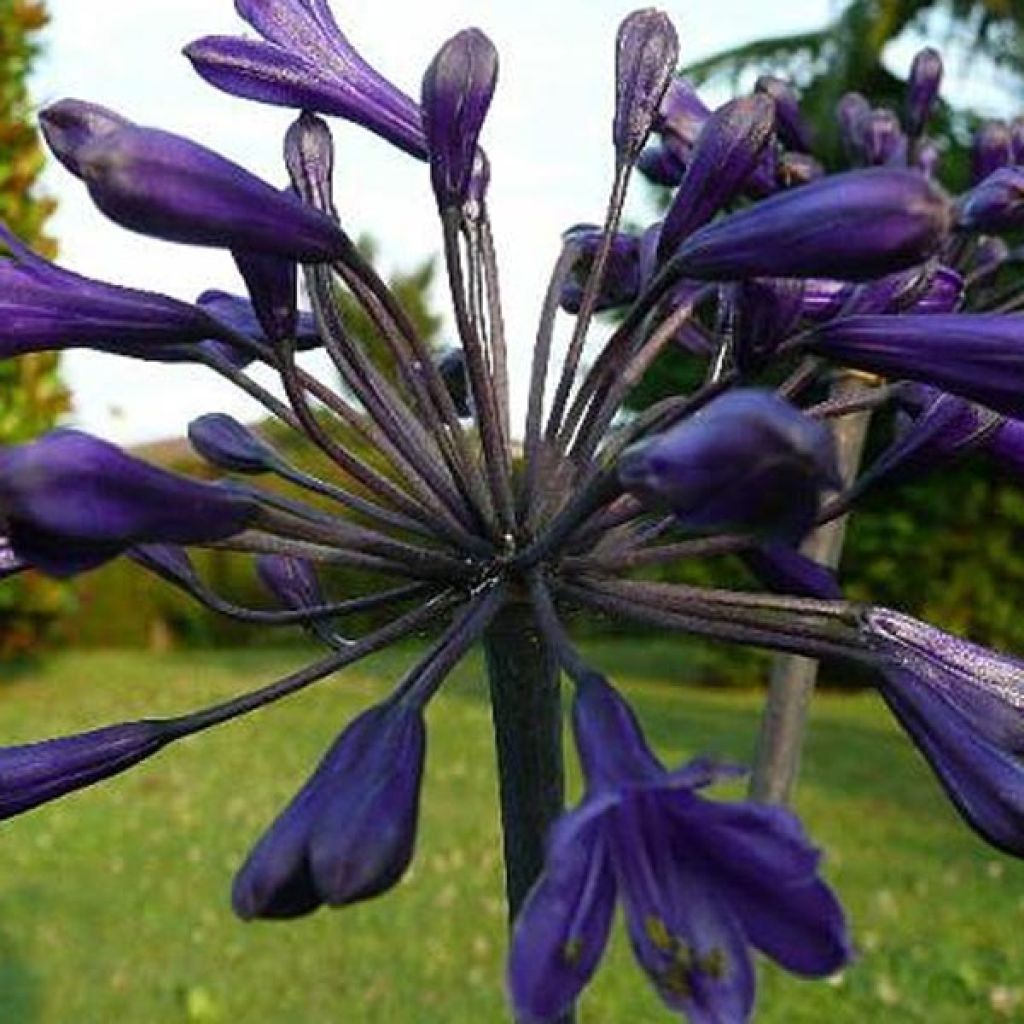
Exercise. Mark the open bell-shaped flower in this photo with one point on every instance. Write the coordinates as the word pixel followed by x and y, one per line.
pixel 71 502
pixel 748 461
pixel 167 186
pixel 349 833
pixel 304 61
pixel 963 706
pixel 701 882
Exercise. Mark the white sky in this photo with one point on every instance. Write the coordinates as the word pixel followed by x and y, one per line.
pixel 547 136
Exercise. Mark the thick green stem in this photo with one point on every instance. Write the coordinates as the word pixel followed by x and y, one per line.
pixel 526 702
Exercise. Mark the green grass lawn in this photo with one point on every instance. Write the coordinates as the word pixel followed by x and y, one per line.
pixel 114 902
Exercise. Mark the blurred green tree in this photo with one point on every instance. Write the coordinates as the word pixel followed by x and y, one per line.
pixel 31 394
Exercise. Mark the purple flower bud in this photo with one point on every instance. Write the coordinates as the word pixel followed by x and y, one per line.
pixel 349 833
pixel 457 90
pixel 974 355
pixel 963 706
pixel 227 444
pixel 45 308
pixel 293 581
pixel 622 277
pixel 167 186
pixel 747 461
pixel 72 502
pixel 309 156
pixel 238 314
pixel 783 569
pixel 304 61
pixel 727 151
pixel 995 204
pixel 851 110
pixel 882 142
pixel 793 130
pixel 990 149
pixel 36 773
pixel 923 89
pixel 853 226
pixel 72 124
pixel 452 367
pixel 646 56
pixel 167 561
pixel 795 169
pixel 272 283
pixel 920 290
pixel 660 166
pixel 766 310
pixel 681 116
pixel 927 156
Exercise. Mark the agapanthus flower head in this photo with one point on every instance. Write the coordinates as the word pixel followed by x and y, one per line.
pixel 701 882
pixel 749 460
pixel 457 90
pixel 853 226
pixel 923 88
pixel 167 186
pixel 349 833
pixel 304 61
pixel 71 502
pixel 963 706
pixel 646 57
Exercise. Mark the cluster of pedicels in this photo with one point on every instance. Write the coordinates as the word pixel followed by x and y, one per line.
pixel 767 271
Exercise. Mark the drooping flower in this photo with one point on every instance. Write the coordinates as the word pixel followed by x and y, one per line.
pixel 963 706
pixel 167 186
pixel 853 226
pixel 304 61
pixel 747 461
pixel 71 502
pixel 457 90
pixel 349 833
pixel 701 882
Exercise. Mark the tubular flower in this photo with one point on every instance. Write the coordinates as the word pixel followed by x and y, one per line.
pixel 700 882
pixel 304 61
pixel 923 88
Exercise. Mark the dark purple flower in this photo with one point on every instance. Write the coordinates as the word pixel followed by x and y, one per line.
pixel 457 90
pixel 783 569
pixel 963 706
pixel 923 88
pixel 71 502
pixel 623 275
pixel 853 226
pixel 349 833
pixel 882 142
pixel 979 356
pixel 927 156
pixel 36 773
pixel 44 308
pixel 995 204
pixel 700 882
pixel 794 132
pixel 72 124
pixel 170 187
pixel 681 116
pixel 309 156
pixel 660 166
pixel 765 311
pixel 748 460
pixel 452 366
pixel 304 61
pixel 727 151
pixel 929 289
pixel 646 56
pixel 851 110
pixel 238 314
pixel 990 149
pixel 1006 446
pixel 272 283
pixel 228 444
pixel 293 581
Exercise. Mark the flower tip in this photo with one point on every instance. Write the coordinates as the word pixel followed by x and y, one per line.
pixel 69 125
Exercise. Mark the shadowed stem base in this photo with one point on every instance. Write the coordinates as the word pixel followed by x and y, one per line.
pixel 526 703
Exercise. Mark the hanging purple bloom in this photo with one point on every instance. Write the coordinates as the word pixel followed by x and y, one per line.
pixel 457 91
pixel 700 882
pixel 990 149
pixel 72 502
pixel 44 308
pixel 228 444
pixel 748 460
pixel 963 706
pixel 923 89
pixel 349 833
pixel 646 57
pixel 726 153
pixel 852 226
pixel 36 773
pixel 979 356
pixel 167 186
pixel 304 61
pixel 994 205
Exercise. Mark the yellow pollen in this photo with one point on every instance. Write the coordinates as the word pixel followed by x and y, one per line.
pixel 661 938
pixel 676 982
pixel 714 963
pixel 572 951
